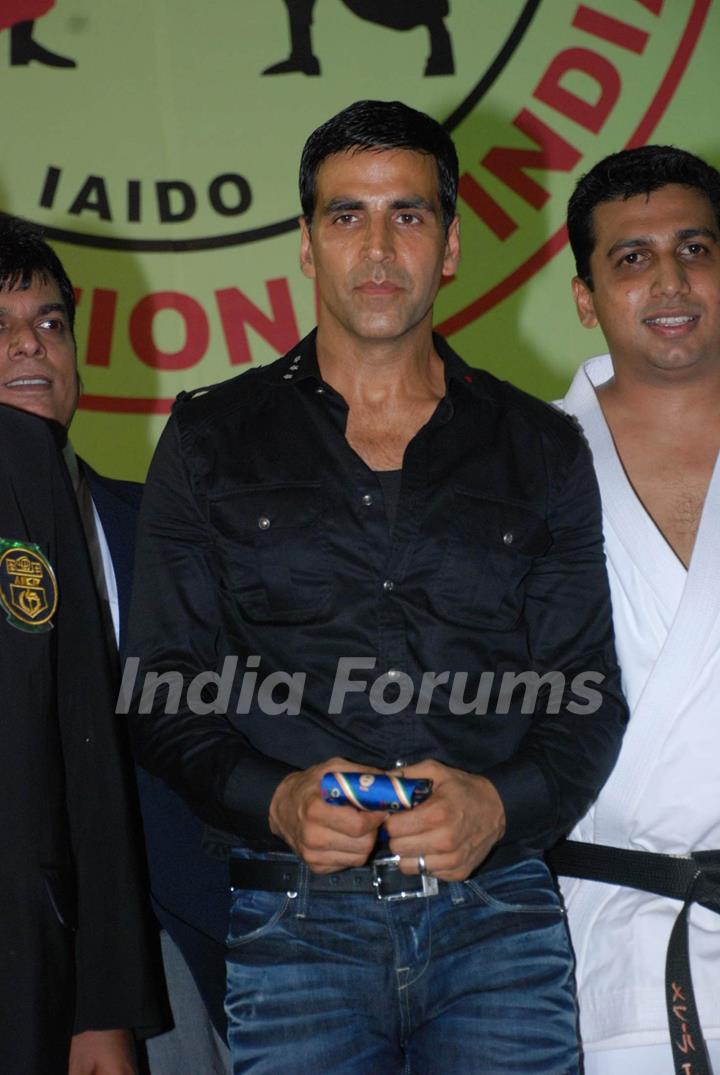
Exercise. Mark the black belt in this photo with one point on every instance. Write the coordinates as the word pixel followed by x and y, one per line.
pixel 693 878
pixel 381 878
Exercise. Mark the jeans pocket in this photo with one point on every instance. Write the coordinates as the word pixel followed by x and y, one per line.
pixel 253 915
pixel 525 888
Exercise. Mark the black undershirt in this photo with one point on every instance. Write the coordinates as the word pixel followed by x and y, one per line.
pixel 390 485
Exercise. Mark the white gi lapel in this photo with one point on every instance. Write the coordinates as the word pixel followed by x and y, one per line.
pixel 694 630
pixel 632 524
pixel 693 638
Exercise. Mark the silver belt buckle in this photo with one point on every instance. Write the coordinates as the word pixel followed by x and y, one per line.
pixel 429 884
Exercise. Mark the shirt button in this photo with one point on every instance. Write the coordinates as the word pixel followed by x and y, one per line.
pixel 388 585
pixel 400 764
pixel 319 391
pixel 264 522
pixel 367 500
pixel 509 537
pixel 393 673
pixel 287 376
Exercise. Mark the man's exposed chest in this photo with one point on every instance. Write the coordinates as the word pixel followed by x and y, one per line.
pixel 671 481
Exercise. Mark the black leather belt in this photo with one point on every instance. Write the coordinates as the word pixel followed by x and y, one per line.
pixel 693 878
pixel 382 878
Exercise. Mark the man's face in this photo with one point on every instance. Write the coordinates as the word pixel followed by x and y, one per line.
pixel 656 276
pixel 377 248
pixel 37 352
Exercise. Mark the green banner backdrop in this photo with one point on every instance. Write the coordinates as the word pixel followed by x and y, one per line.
pixel 157 141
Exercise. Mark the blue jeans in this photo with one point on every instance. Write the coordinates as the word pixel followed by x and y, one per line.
pixel 477 980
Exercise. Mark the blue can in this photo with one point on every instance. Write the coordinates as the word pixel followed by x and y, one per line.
pixel 374 791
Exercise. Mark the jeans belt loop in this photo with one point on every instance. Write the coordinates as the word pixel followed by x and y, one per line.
pixel 303 891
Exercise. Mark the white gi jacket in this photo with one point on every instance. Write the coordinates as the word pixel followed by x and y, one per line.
pixel 664 793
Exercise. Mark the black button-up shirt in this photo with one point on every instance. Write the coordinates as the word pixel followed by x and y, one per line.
pixel 264 540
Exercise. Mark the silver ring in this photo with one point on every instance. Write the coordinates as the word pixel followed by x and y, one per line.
pixel 422 868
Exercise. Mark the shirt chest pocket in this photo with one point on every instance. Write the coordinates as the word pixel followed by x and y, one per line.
pixel 490 550
pixel 272 543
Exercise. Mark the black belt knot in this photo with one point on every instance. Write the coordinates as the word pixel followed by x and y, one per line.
pixel 706 888
pixel 693 878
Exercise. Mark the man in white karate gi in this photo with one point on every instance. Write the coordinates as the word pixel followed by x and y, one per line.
pixel 644 228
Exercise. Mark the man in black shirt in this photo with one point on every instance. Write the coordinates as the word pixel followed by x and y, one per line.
pixel 300 623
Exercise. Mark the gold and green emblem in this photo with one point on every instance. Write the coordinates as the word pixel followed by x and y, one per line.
pixel 28 587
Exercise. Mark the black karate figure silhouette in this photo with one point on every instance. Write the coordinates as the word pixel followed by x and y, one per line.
pixel 19 17
pixel 24 49
pixel 395 14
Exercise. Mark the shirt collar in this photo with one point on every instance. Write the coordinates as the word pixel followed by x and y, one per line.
pixel 301 364
pixel 456 370
pixel 297 365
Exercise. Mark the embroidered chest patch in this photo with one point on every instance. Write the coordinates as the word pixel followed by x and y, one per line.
pixel 28 587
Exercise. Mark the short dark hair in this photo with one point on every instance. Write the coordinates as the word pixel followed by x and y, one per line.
pixel 381 125
pixel 626 174
pixel 24 254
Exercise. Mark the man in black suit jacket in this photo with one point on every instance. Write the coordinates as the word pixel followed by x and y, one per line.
pixel 38 373
pixel 74 959
pixel 70 819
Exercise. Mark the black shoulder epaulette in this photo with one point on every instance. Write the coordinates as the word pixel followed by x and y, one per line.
pixel 192 393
